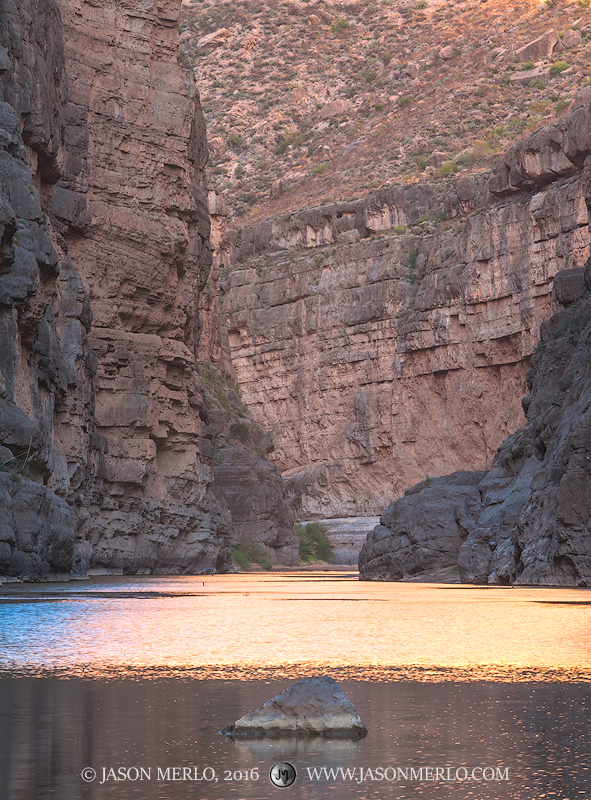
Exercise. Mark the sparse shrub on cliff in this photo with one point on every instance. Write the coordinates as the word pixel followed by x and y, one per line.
pixel 467 158
pixel 446 169
pixel 339 24
pixel 17 469
pixel 319 168
pixel 558 67
pixel 412 256
pixel 235 141
pixel 400 229
pixel 537 83
pixel 294 139
pixel 240 431
pixel 247 552
pixel 314 543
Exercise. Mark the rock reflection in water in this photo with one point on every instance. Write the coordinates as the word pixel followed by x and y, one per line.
pixel 50 730
pixel 297 748
pixel 152 669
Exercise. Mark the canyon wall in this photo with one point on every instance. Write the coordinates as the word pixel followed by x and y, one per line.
pixel 50 451
pixel 387 340
pixel 527 520
pixel 131 207
pixel 107 459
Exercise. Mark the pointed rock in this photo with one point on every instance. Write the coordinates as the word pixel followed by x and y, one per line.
pixel 311 707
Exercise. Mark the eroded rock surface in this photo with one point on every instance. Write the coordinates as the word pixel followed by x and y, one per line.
pixel 50 451
pixel 105 252
pixel 535 525
pixel 528 520
pixel 380 362
pixel 311 707
pixel 424 529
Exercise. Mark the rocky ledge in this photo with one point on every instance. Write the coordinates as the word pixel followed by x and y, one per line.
pixel 527 520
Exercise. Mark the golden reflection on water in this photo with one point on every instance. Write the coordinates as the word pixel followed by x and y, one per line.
pixel 293 624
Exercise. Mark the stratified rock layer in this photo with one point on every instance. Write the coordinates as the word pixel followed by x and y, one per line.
pixel 528 520
pixel 132 184
pixel 104 255
pixel 380 349
pixel 347 536
pixel 311 707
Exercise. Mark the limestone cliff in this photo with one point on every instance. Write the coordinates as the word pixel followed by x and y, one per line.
pixel 105 248
pixel 387 340
pixel 528 520
pixel 49 443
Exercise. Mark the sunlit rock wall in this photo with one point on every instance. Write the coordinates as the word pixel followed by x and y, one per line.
pixel 380 349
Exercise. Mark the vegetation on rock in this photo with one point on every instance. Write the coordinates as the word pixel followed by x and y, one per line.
pixel 314 543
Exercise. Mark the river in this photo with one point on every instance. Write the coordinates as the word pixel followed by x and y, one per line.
pixel 467 692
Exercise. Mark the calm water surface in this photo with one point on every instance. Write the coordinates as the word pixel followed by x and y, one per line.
pixel 143 672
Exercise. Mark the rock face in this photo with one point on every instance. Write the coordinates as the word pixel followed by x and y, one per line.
pixel 347 536
pixel 47 430
pixel 553 152
pixel 37 531
pixel 535 524
pixel 104 257
pixel 133 183
pixel 380 362
pixel 424 529
pixel 528 520
pixel 311 707
pixel 245 482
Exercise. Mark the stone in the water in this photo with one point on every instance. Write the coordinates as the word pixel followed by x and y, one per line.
pixel 311 707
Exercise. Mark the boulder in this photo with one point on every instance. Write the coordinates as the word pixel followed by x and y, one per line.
pixel 424 529
pixel 446 52
pixel 214 39
pixel 335 108
pixel 539 48
pixel 436 159
pixel 569 286
pixel 571 38
pixel 311 707
pixel 525 76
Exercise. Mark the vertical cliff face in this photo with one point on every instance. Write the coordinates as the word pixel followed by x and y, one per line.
pixel 131 207
pixel 49 445
pixel 528 520
pixel 108 329
pixel 383 344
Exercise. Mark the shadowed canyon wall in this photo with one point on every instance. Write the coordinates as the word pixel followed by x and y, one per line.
pixel 105 238
pixel 387 340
